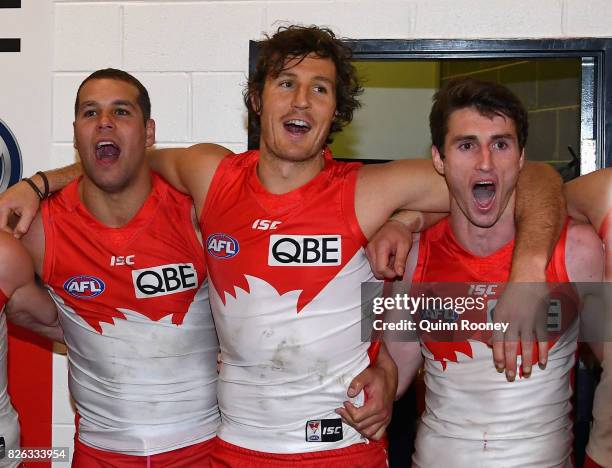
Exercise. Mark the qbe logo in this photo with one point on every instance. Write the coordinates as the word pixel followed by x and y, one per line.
pixel 316 250
pixel 10 158
pixel 84 287
pixel 222 246
pixel 163 280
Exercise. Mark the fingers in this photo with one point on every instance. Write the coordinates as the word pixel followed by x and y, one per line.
pixel 526 354
pixel 499 358
pixel 381 255
pixel 510 357
pixel 357 384
pixel 24 224
pixel 369 423
pixel 358 415
pixel 401 255
pixel 542 354
pixel 21 201
pixel 542 337
pixel 388 249
pixel 4 221
pixel 378 435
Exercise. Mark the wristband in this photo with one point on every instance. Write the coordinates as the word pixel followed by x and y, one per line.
pixel 34 187
pixel 43 176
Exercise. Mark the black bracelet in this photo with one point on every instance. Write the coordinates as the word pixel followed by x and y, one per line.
pixel 43 176
pixel 34 187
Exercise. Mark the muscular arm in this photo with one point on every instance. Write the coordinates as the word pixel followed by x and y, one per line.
pixel 58 178
pixel 411 184
pixel 414 185
pixel 388 249
pixel 189 170
pixel 589 197
pixel 539 215
pixel 16 269
pixel 404 346
pixel 29 305
pixel 379 382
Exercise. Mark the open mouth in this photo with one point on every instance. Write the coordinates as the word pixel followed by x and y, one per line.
pixel 484 193
pixel 107 151
pixel 296 126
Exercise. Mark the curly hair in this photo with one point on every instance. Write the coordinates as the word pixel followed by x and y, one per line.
pixel 297 42
pixel 489 99
pixel 143 100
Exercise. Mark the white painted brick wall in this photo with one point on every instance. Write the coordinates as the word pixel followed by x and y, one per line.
pixel 218 112
pixel 489 19
pixel 87 36
pixel 193 57
pixel 64 93
pixel 170 104
pixel 195 36
pixel 354 19
pixel 588 18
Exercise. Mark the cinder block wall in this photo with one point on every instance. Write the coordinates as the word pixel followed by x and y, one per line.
pixel 193 57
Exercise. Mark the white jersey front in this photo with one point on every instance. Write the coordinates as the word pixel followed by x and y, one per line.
pixel 286 272
pixel 474 417
pixel 133 304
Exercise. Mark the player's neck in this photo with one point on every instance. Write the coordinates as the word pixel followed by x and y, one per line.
pixel 482 241
pixel 280 176
pixel 115 209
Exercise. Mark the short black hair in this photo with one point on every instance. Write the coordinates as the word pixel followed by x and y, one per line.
pixel 489 99
pixel 297 42
pixel 114 74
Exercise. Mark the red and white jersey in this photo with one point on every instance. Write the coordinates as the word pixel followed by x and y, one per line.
pixel 285 273
pixel 133 304
pixel 600 439
pixel 472 413
pixel 9 425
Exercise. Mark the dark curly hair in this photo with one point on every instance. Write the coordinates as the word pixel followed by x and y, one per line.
pixel 291 42
pixel 489 99
pixel 143 100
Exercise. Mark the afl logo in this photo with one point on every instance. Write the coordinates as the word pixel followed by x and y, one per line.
pixel 10 158
pixel 222 246
pixel 84 287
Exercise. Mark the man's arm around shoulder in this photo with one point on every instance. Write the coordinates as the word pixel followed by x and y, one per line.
pixel 189 170
pixel 29 305
pixel 404 346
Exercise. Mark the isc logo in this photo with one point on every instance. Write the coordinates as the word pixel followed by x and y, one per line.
pixel 331 430
pixel 265 224
pixel 84 287
pixel 222 246
pixel 482 289
pixel 163 280
pixel 122 260
pixel 305 250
